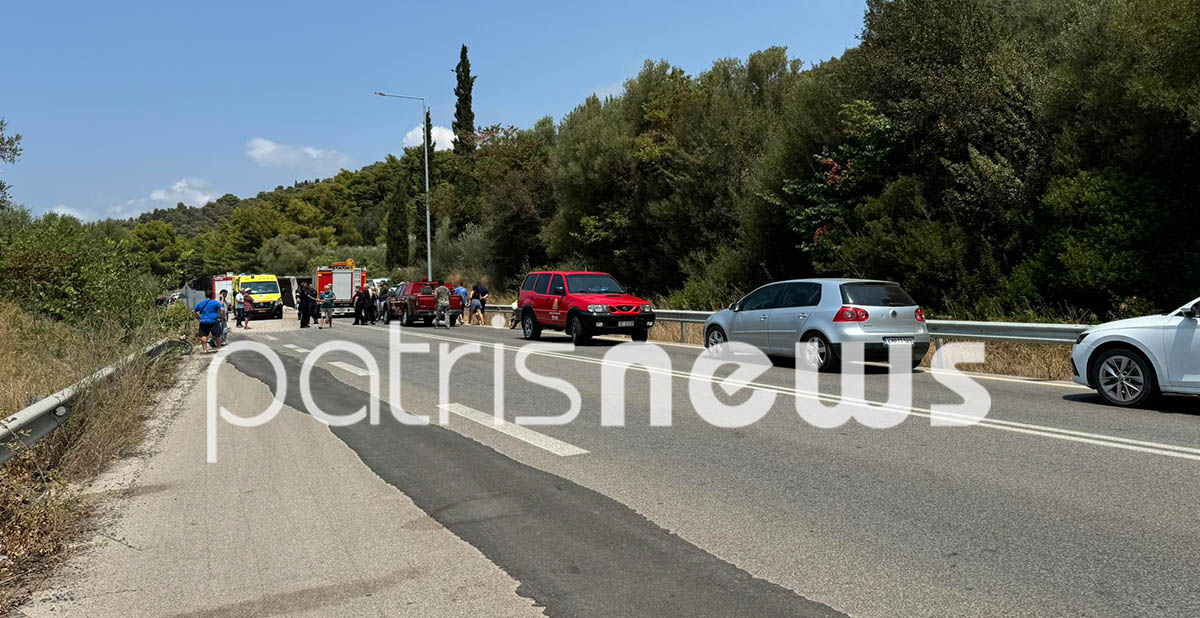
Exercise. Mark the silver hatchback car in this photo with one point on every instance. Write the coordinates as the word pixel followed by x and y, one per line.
pixel 830 312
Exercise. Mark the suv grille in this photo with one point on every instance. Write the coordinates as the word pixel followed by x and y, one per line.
pixel 627 308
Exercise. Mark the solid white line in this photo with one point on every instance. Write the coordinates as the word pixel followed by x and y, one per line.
pixel 1156 448
pixel 358 371
pixel 295 348
pixel 542 441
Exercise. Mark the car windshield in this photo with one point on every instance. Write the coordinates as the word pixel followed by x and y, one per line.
pixel 593 284
pixel 260 287
pixel 876 295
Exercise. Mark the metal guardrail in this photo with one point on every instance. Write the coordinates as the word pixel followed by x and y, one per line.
pixel 1027 332
pixel 27 426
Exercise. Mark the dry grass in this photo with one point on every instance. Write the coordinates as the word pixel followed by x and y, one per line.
pixel 1044 361
pixel 40 504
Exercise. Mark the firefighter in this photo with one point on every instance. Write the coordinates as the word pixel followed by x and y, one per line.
pixel 362 298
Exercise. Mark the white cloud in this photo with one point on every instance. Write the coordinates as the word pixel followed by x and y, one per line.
pixel 67 211
pixel 307 158
pixel 443 138
pixel 190 191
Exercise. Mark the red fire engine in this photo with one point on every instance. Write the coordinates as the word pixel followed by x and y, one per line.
pixel 345 279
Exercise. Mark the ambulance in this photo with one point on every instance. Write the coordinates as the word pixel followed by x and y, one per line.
pixel 264 290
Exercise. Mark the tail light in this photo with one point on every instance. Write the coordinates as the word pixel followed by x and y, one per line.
pixel 920 315
pixel 851 314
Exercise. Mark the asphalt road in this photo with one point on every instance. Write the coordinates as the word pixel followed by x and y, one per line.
pixel 1055 505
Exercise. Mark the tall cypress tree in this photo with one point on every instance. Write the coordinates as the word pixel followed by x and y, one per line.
pixel 396 203
pixel 429 140
pixel 464 116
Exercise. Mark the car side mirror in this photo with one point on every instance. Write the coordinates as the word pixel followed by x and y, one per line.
pixel 733 306
pixel 558 291
pixel 1193 311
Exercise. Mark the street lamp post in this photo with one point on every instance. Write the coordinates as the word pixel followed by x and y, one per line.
pixel 425 139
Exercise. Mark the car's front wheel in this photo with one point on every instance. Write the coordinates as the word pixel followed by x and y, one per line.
pixel 579 336
pixel 529 326
pixel 1124 378
pixel 715 340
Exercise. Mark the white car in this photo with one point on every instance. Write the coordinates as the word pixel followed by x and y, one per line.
pixel 1129 362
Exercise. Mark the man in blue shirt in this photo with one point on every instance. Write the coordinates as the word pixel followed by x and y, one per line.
pixel 462 292
pixel 208 311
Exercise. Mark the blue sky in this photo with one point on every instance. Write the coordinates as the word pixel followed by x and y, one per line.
pixel 126 107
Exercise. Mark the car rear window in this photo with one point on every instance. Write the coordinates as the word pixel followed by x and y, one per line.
pixel 876 295
pixel 543 282
pixel 529 281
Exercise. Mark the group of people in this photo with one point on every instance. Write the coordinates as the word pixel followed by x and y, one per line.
pixel 314 306
pixel 369 304
pixel 213 314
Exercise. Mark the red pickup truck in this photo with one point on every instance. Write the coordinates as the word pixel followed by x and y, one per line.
pixel 413 300
pixel 582 304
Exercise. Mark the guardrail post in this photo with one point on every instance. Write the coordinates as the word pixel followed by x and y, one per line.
pixel 682 332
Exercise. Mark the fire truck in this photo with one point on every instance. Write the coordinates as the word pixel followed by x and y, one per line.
pixel 346 279
pixel 222 282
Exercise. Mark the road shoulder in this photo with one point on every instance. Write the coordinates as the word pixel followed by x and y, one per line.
pixel 288 521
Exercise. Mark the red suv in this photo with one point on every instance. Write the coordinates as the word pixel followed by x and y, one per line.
pixel 583 304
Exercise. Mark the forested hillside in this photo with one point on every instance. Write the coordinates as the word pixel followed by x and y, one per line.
pixel 993 156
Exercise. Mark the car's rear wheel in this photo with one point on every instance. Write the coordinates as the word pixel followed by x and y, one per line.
pixel 529 326
pixel 387 315
pixel 406 317
pixel 1124 378
pixel 820 354
pixel 579 336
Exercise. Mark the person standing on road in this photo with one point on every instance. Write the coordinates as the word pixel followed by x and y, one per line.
pixel 476 310
pixel 224 300
pixel 304 303
pixel 327 308
pixel 241 316
pixel 483 296
pixel 208 312
pixel 361 298
pixel 247 308
pixel 441 314
pixel 461 290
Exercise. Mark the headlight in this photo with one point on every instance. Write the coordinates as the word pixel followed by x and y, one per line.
pixel 598 308
pixel 1082 336
pixel 648 308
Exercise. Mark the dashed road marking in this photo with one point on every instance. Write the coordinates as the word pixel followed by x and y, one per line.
pixel 295 348
pixel 542 441
pixel 358 371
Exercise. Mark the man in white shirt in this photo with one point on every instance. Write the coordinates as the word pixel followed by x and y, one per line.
pixel 241 313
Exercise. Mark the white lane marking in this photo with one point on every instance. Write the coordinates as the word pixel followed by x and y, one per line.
pixel 295 348
pixel 1169 450
pixel 270 338
pixel 542 441
pixel 358 371
pixel 1017 379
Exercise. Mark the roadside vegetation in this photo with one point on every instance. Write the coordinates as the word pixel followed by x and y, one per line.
pixel 996 158
pixel 75 301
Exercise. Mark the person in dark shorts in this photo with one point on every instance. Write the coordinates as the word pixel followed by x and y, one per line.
pixel 208 312
pixel 482 293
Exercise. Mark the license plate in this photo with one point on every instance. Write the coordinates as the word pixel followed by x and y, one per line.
pixel 625 324
pixel 897 341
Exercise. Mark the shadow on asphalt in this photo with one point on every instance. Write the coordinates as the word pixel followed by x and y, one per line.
pixel 1167 404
